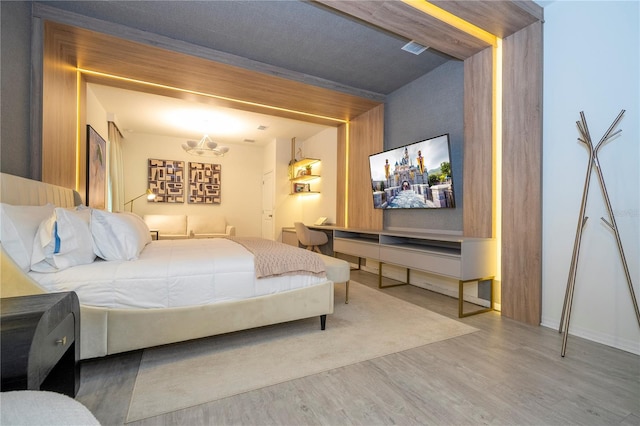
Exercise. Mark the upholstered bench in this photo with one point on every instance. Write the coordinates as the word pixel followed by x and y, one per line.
pixel 338 271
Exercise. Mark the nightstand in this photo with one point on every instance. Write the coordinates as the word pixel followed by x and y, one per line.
pixel 41 342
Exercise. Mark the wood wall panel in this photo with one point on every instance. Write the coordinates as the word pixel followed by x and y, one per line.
pixel 522 176
pixel 366 137
pixel 116 56
pixel 67 48
pixel 500 18
pixel 59 100
pixel 478 168
pixel 403 19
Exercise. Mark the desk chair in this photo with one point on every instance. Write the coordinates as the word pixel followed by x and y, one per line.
pixel 310 239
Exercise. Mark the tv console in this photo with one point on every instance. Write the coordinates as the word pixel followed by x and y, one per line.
pixel 465 259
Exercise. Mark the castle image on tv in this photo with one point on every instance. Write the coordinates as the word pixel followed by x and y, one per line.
pixel 413 176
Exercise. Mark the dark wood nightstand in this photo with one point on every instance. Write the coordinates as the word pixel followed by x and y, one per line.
pixel 41 342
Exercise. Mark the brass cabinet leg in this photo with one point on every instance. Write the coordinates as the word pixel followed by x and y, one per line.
pixel 461 283
pixel 389 285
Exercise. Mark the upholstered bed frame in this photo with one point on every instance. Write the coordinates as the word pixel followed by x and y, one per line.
pixel 106 331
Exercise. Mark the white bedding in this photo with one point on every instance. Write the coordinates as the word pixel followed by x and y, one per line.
pixel 172 273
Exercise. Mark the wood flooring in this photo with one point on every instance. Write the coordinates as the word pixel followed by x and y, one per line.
pixel 508 373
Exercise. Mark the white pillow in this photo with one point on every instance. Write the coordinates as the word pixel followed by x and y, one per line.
pixel 63 240
pixel 18 227
pixel 118 236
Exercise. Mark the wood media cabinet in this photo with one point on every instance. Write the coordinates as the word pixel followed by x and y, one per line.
pixel 462 258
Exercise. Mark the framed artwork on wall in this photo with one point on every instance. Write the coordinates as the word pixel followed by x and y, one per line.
pixel 166 180
pixel 96 195
pixel 205 183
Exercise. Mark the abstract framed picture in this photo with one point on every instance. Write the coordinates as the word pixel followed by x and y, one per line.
pixel 205 183
pixel 166 180
pixel 96 195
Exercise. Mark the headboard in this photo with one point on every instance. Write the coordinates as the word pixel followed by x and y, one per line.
pixel 26 192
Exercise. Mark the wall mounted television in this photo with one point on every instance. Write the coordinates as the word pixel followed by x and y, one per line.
pixel 414 176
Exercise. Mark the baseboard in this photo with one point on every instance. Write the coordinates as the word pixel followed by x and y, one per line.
pixel 626 345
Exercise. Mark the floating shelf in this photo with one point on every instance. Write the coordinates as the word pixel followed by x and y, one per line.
pixel 305 162
pixel 305 192
pixel 305 178
pixel 295 179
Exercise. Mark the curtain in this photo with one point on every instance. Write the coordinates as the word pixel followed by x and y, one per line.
pixel 116 170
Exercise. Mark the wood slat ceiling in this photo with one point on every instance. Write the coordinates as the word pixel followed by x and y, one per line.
pixel 500 18
pixel 402 19
pixel 111 55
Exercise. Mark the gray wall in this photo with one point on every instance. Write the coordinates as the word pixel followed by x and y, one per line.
pixel 15 51
pixel 429 106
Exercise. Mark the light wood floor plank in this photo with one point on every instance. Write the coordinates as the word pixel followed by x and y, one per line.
pixel 106 386
pixel 506 373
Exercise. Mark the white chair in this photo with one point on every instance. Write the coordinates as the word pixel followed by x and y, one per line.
pixel 309 238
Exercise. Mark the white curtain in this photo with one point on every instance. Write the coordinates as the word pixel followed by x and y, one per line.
pixel 116 169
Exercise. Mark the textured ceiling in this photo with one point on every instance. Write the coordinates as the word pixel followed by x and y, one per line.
pixel 294 35
pixel 304 37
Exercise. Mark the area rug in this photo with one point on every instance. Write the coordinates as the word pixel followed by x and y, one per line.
pixel 373 324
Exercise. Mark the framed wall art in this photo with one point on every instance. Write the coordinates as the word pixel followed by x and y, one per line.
pixel 166 180
pixel 205 183
pixel 96 195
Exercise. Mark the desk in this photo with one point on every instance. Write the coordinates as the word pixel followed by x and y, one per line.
pixel 41 342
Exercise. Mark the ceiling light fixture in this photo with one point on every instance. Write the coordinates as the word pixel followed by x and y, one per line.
pixel 205 148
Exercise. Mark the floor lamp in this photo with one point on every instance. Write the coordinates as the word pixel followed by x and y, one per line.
pixel 150 196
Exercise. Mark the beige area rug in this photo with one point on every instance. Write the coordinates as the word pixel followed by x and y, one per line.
pixel 373 324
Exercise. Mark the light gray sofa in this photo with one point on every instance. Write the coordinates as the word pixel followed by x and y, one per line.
pixel 178 226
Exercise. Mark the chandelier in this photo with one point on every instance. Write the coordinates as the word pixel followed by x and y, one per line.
pixel 205 147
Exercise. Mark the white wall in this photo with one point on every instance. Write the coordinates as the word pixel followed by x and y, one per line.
pixel 242 169
pixel 97 115
pixel 591 64
pixel 242 172
pixel 323 146
pixel 306 208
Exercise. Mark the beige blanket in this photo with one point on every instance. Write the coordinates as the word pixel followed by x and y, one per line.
pixel 273 258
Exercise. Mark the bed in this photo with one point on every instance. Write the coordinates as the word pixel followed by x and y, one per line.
pixel 170 291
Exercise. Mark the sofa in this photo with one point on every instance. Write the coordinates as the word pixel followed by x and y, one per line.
pixel 178 226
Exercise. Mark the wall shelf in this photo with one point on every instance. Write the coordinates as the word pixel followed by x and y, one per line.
pixel 296 178
pixel 304 178
pixel 305 162
pixel 305 193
